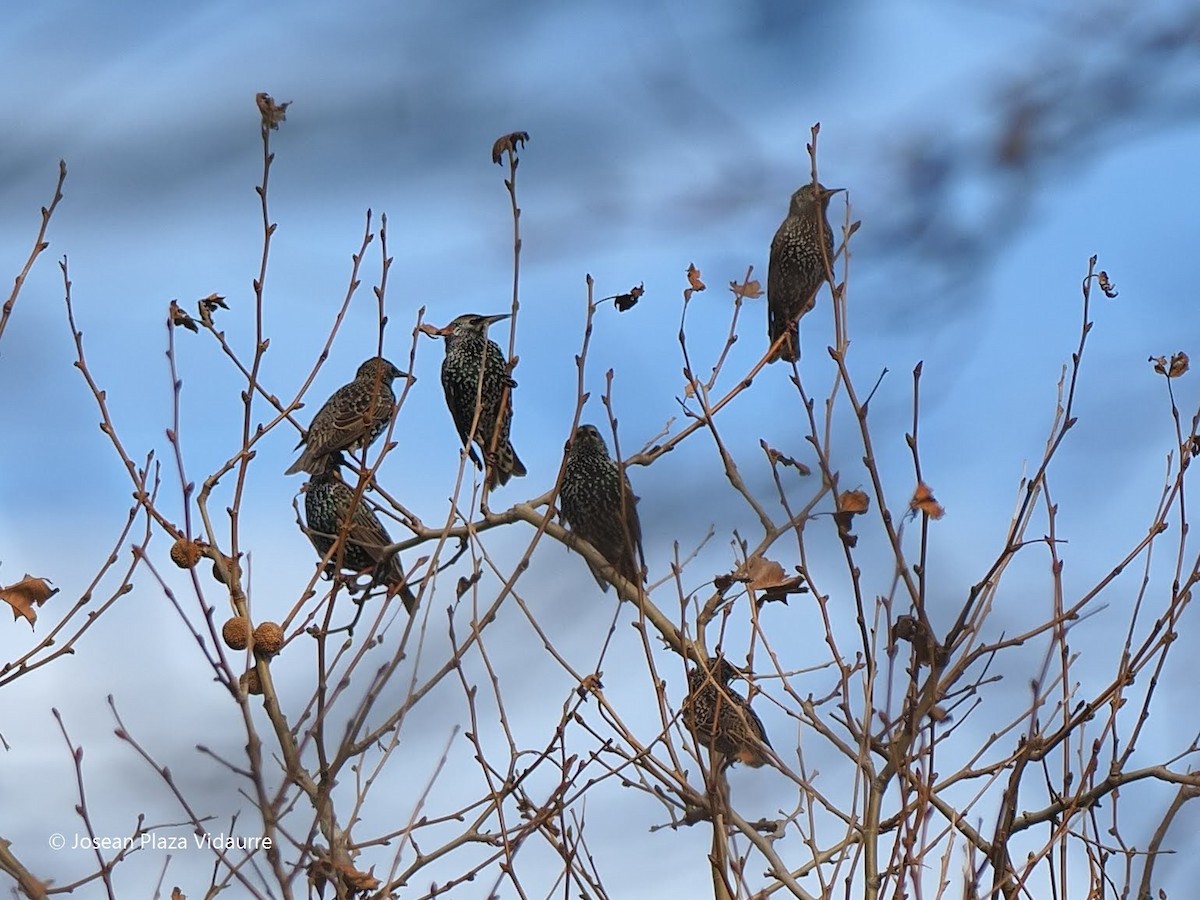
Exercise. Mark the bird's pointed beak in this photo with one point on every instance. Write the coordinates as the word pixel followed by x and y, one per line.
pixel 829 192
pixel 499 317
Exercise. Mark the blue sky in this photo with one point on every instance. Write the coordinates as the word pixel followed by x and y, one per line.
pixel 661 135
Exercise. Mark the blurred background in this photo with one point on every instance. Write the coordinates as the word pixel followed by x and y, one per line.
pixel 988 150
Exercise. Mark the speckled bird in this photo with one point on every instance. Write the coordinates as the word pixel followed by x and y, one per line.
pixel 720 718
pixel 352 418
pixel 797 266
pixel 328 504
pixel 468 353
pixel 599 505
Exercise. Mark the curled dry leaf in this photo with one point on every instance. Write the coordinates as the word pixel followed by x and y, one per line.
pixel 1110 289
pixel 464 584
pixel 26 595
pixel 769 578
pixel 272 113
pixel 355 883
pixel 849 505
pixel 749 289
pixel 628 301
pixel 853 502
pixel 923 501
pixel 209 305
pixel 429 330
pixel 777 458
pixel 179 317
pixel 693 277
pixel 591 684
pixel 509 143
pixel 1177 365
pixel 926 649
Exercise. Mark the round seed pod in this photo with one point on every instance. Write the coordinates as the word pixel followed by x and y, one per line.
pixel 250 682
pixel 268 639
pixel 185 553
pixel 236 632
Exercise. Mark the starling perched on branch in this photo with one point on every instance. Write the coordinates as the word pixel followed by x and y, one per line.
pixel 802 246
pixel 599 505
pixel 478 390
pixel 328 505
pixel 720 718
pixel 353 417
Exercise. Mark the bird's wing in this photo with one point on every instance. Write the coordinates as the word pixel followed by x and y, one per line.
pixel 632 538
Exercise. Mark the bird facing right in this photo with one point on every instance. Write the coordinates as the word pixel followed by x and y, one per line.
pixel 329 503
pixel 720 718
pixel 797 268
pixel 352 417
pixel 475 377
pixel 599 505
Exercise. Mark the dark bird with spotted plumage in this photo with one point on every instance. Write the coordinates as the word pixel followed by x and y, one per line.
pixel 721 719
pixel 475 378
pixel 800 252
pixel 354 416
pixel 329 504
pixel 599 505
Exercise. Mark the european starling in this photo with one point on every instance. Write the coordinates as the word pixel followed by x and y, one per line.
pixel 475 378
pixel 797 266
pixel 599 505
pixel 720 718
pixel 352 418
pixel 328 503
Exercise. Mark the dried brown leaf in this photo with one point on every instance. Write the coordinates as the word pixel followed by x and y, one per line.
pixel 272 113
pixel 746 290
pixel 1177 365
pixel 628 301
pixel 693 277
pixel 179 317
pixel 508 143
pixel 926 649
pixel 769 578
pixel 1110 289
pixel 209 305
pixel 777 458
pixel 430 330
pixel 924 501
pixel 464 584
pixel 853 502
pixel 591 684
pixel 26 595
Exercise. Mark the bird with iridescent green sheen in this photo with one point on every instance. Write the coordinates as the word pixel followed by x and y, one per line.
pixel 800 253
pixel 721 719
pixel 352 417
pixel 331 511
pixel 478 389
pixel 598 503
